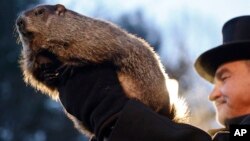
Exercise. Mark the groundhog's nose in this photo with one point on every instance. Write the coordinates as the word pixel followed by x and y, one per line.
pixel 20 22
pixel 21 25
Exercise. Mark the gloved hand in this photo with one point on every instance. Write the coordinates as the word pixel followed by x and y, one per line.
pixel 94 96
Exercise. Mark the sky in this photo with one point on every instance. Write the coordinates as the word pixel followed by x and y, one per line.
pixel 199 24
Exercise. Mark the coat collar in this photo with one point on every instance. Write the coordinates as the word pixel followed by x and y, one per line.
pixel 245 119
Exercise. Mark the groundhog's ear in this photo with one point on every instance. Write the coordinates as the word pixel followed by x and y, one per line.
pixel 60 9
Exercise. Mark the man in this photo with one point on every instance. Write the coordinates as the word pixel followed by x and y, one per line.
pixel 227 67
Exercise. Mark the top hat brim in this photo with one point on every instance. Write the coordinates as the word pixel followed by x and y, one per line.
pixel 208 62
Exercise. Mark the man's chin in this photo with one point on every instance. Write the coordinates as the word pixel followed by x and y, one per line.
pixel 221 116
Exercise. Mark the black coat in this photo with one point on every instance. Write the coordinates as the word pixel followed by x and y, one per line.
pixel 224 134
pixel 138 123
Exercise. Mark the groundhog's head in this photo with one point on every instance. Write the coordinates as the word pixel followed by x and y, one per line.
pixel 38 33
pixel 61 32
pixel 36 27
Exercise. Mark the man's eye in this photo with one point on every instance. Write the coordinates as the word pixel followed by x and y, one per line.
pixel 225 77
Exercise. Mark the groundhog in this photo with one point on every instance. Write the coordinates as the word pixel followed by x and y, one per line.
pixel 54 37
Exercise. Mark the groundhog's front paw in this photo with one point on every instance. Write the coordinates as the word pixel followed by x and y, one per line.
pixel 48 75
pixel 51 78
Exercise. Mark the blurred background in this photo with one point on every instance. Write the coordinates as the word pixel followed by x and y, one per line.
pixel 179 30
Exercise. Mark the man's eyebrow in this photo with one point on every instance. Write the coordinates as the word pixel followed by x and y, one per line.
pixel 220 72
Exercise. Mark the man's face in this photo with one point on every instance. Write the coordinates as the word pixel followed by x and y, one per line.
pixel 231 93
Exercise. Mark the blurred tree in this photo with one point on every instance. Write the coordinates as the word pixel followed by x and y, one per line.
pixel 136 23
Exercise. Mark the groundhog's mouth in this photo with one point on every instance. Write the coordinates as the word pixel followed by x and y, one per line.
pixel 26 34
pixel 46 57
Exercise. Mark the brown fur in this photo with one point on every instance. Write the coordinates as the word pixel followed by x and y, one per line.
pixel 79 40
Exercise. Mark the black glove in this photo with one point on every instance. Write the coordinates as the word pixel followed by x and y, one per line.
pixel 94 96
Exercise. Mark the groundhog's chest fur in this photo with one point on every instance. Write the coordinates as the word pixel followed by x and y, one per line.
pixel 54 37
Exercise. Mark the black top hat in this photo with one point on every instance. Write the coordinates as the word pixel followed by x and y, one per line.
pixel 236 46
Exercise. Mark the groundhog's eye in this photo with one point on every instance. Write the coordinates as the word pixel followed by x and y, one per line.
pixel 40 12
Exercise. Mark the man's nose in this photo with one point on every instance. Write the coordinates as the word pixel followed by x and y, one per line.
pixel 216 93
